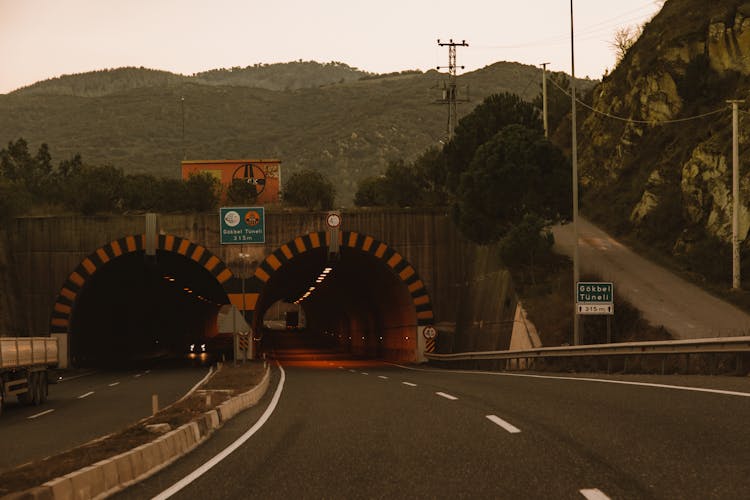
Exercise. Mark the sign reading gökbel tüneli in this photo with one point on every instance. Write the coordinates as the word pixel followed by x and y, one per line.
pixel 242 225
pixel 594 298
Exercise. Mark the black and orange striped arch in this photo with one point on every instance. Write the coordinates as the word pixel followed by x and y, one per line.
pixel 63 308
pixel 349 239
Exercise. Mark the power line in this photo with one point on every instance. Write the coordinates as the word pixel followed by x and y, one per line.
pixel 631 120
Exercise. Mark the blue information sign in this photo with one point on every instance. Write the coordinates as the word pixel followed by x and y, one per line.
pixel 242 225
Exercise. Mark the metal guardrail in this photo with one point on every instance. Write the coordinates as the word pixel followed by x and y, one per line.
pixel 696 346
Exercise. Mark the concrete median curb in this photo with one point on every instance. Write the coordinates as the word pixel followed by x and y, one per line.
pixel 113 474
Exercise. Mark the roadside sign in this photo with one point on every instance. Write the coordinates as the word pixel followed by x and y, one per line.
pixel 595 308
pixel 333 220
pixel 594 297
pixel 429 332
pixel 242 225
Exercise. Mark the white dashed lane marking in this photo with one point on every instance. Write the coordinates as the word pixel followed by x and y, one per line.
pixel 40 414
pixel 86 395
pixel 409 384
pixel 114 384
pixel 502 423
pixel 594 494
pixel 446 396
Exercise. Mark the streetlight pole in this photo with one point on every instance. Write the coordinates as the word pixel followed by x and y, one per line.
pixel 736 279
pixel 544 99
pixel 574 157
pixel 182 109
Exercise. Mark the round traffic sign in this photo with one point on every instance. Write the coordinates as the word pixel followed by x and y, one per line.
pixel 333 219
pixel 429 332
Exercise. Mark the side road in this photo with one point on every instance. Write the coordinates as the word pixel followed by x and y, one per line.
pixel 664 298
pixel 112 474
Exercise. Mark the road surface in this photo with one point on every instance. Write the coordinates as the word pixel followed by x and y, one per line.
pixel 665 299
pixel 86 408
pixel 353 430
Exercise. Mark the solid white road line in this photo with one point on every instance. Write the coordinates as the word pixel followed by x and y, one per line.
pixel 409 384
pixel 505 425
pixel 383 377
pixel 584 379
pixel 40 414
pixel 446 396
pixel 86 395
pixel 114 384
pixel 229 449
pixel 594 494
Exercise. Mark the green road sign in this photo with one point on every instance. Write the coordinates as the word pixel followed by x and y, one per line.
pixel 242 225
pixel 594 297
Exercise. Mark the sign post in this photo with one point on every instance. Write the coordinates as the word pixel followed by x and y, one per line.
pixel 239 225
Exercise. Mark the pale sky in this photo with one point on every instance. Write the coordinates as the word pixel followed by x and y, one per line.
pixel 41 39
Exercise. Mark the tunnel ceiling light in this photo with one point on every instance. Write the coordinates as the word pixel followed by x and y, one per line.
pixel 327 270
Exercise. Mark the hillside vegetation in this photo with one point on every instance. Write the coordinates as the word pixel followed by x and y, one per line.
pixel 332 118
pixel 655 156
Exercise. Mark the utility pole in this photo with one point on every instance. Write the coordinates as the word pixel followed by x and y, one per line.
pixel 182 109
pixel 574 150
pixel 449 94
pixel 736 279
pixel 544 99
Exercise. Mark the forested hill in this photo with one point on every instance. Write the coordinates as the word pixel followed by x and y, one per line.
pixel 281 76
pixel 329 117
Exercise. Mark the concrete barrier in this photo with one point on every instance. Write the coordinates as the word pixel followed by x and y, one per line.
pixel 116 473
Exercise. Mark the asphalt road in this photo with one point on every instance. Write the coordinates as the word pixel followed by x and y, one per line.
pixel 665 299
pixel 346 430
pixel 86 408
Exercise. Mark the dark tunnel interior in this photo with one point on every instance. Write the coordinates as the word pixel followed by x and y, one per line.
pixel 137 308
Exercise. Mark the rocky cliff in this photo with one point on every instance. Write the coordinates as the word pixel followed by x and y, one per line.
pixel 656 149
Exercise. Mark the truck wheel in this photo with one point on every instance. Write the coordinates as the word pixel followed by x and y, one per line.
pixel 36 388
pixel 43 387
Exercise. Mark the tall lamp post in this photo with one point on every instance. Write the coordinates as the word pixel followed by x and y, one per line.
pixel 574 159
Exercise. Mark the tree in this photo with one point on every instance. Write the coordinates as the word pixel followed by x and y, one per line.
pixel 371 192
pixel 405 184
pixel 515 173
pixel 310 189
pixel 14 199
pixel 34 173
pixel 486 120
pixel 202 192
pixel 527 244
pixel 624 38
pixel 95 189
pixel 241 192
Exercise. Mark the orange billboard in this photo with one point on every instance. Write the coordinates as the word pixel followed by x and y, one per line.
pixel 265 175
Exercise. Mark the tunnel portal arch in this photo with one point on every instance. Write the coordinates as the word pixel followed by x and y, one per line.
pixel 62 310
pixel 366 245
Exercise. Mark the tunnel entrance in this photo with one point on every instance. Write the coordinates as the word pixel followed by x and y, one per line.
pixel 122 307
pixel 366 300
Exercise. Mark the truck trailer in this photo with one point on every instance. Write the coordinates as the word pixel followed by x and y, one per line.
pixel 24 368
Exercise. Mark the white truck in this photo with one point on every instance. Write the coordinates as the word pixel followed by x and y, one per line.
pixel 24 367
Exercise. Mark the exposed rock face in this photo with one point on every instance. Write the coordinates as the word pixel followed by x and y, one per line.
pixel 728 44
pixel 692 58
